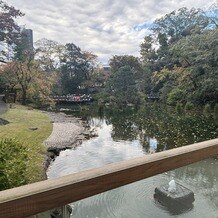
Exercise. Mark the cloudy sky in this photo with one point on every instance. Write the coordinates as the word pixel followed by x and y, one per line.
pixel 105 27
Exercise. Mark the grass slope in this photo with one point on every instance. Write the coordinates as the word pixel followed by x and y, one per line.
pixel 21 119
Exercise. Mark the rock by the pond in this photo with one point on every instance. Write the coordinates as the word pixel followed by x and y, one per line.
pixel 3 122
pixel 54 151
pixel 81 137
pixel 58 212
pixel 181 198
pixel 33 128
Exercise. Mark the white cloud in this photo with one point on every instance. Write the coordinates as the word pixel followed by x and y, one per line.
pixel 105 27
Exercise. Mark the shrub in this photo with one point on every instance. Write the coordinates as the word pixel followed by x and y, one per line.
pixel 175 95
pixel 141 98
pixel 13 157
pixel 189 106
pixel 215 111
pixel 179 107
pixel 207 109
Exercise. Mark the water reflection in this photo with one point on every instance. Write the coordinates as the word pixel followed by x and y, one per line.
pixel 133 134
pixel 152 144
pixel 170 129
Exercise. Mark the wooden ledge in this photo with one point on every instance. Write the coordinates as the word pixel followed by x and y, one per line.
pixel 42 196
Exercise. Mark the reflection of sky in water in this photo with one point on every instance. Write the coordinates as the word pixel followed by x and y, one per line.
pixel 134 200
pixel 96 152
pixel 153 144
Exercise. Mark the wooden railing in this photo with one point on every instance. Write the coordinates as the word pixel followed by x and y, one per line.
pixel 42 196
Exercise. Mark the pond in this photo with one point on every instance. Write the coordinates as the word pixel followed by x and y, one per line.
pixel 128 134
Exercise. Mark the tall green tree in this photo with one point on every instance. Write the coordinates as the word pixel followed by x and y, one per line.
pixel 195 79
pixel 122 87
pixel 197 50
pixel 76 67
pixel 118 61
pixel 147 51
pixel 181 23
pixel 199 55
pixel 181 55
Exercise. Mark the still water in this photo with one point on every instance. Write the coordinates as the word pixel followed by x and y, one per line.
pixel 129 134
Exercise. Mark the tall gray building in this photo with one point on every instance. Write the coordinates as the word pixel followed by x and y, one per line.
pixel 27 39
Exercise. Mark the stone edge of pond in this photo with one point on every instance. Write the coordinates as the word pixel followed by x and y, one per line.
pixel 76 138
pixel 3 122
pixel 53 150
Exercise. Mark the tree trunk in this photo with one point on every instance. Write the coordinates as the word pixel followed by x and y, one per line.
pixel 23 96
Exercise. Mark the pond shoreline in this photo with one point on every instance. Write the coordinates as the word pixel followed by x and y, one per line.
pixel 68 132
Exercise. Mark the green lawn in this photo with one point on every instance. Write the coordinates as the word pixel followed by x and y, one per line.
pixel 21 119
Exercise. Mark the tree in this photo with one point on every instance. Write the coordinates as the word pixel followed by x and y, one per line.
pixel 76 66
pixel 9 30
pixel 165 81
pixel 7 79
pixel 197 50
pixel 152 57
pixel 199 55
pixel 118 61
pixel 181 23
pixel 19 74
pixel 163 42
pixel 122 87
pixel 212 14
pixel 49 53
pixel 167 30
pixel 27 77
pixel 97 79
pixel 182 57
pixel 147 51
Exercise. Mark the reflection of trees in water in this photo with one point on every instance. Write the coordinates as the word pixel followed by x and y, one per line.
pixel 170 129
pixel 124 127
pixel 202 176
pixel 97 122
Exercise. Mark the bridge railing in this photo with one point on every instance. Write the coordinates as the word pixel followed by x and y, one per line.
pixel 77 98
pixel 42 196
